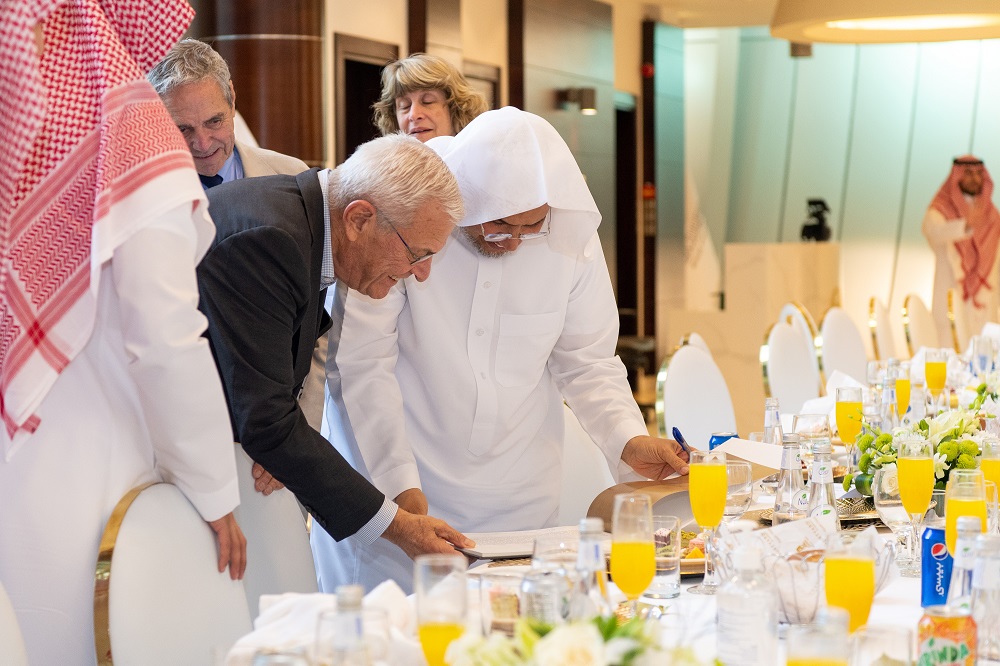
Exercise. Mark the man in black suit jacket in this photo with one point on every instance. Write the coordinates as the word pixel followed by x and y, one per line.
pixel 281 240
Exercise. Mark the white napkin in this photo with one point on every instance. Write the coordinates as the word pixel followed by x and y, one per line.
pixel 288 622
pixel 992 330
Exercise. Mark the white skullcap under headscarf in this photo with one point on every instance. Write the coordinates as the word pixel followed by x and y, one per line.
pixel 510 161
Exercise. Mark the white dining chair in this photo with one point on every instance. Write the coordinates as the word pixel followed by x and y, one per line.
pixel 12 651
pixel 918 325
pixel 957 322
pixel 843 347
pixel 798 315
pixel 788 373
pixel 159 599
pixel 695 340
pixel 692 396
pixel 279 558
pixel 880 327
pixel 585 472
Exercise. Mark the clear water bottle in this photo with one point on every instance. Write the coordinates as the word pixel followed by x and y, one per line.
pixel 348 636
pixel 887 408
pixel 822 498
pixel 748 614
pixel 986 598
pixel 590 598
pixel 963 562
pixel 791 499
pixel 772 421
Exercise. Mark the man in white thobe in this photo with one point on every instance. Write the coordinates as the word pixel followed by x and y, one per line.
pixel 962 226
pixel 449 394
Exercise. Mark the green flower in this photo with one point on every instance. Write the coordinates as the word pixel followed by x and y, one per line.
pixel 884 442
pixel 949 450
pixel 968 447
pixel 865 441
pixel 965 461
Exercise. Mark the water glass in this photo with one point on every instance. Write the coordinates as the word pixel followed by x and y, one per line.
pixel 556 554
pixel 329 627
pixel 739 491
pixel 876 645
pixel 440 586
pixel 822 642
pixel 992 517
pixel 890 509
pixel 269 657
pixel 983 355
pixel 810 427
pixel 935 514
pixel 545 597
pixel 500 601
pixel 667 540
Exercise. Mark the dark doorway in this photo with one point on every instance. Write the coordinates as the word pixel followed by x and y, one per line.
pixel 626 231
pixel 358 67
pixel 364 80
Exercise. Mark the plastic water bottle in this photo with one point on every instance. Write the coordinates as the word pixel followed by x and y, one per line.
pixel 791 499
pixel 590 598
pixel 963 562
pixel 748 614
pixel 986 598
pixel 822 499
pixel 772 421
pixel 349 637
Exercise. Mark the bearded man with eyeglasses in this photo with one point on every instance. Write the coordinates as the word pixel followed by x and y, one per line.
pixel 448 394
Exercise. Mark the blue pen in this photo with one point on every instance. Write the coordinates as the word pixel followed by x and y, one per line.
pixel 680 440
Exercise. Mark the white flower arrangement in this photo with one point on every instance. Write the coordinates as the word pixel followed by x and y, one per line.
pixel 600 642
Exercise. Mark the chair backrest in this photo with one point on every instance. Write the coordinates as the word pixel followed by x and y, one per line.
pixel 695 340
pixel 12 651
pixel 279 558
pixel 799 316
pixel 692 395
pixel 883 341
pixel 789 375
pixel 159 599
pixel 843 348
pixel 959 325
pixel 585 471
pixel 918 324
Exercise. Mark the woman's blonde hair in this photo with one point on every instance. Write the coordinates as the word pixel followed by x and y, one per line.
pixel 421 71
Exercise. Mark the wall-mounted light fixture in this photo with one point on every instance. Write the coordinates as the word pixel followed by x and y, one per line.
pixel 585 98
pixel 885 21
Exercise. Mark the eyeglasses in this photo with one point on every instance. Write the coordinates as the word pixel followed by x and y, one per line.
pixel 414 259
pixel 499 238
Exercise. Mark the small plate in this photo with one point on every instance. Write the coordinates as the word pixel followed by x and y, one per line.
pixel 693 566
pixel 851 510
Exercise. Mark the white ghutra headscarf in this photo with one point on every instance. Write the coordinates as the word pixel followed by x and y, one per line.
pixel 509 161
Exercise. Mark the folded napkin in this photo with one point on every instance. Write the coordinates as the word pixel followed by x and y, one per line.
pixel 288 622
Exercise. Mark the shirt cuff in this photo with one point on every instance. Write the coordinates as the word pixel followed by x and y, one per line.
pixel 374 528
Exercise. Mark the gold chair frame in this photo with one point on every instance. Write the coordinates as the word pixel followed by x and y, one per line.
pixel 952 315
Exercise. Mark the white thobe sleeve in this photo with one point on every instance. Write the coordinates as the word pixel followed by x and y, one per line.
pixel 178 386
pixel 361 377
pixel 583 363
pixel 941 232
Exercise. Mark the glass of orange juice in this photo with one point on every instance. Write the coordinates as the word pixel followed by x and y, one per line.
pixel 708 482
pixel 965 495
pixel 990 460
pixel 633 555
pixel 849 420
pixel 935 376
pixel 822 643
pixel 902 380
pixel 915 466
pixel 439 583
pixel 849 574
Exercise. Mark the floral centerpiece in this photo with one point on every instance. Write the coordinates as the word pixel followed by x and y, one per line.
pixel 599 642
pixel 956 436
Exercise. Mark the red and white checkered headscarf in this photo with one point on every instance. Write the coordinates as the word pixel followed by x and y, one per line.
pixel 978 252
pixel 90 156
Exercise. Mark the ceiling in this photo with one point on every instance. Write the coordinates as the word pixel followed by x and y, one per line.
pixel 711 13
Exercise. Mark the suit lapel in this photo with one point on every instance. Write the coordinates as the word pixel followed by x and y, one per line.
pixel 313 318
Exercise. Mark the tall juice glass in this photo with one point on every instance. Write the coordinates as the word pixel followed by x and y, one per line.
pixel 935 375
pixel 965 495
pixel 633 554
pixel 707 486
pixel 439 582
pixel 849 419
pixel 849 573
pixel 915 466
pixel 990 461
pixel 902 388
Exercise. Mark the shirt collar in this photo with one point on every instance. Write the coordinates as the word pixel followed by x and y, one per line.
pixel 326 272
pixel 232 168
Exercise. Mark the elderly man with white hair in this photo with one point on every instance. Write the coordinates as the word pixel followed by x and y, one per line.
pixel 448 394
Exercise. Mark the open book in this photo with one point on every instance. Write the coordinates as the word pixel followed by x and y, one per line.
pixel 502 545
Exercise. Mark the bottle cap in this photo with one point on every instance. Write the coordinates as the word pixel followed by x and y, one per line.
pixel 591 525
pixel 821 446
pixel 349 597
pixel 790 438
pixel 987 544
pixel 968 524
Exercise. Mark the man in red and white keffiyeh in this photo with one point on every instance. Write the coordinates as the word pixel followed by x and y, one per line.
pixel 963 228
pixel 105 382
